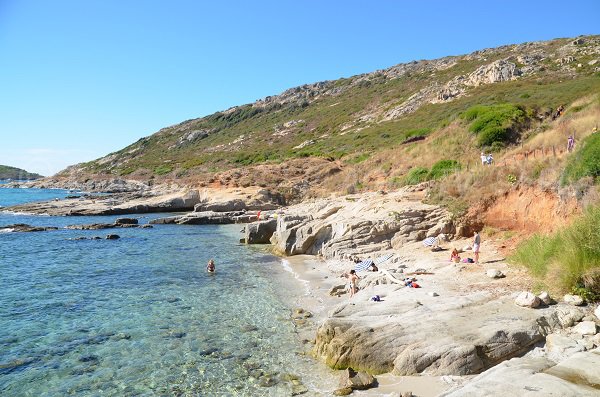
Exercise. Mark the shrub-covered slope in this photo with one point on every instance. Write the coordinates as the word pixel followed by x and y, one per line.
pixel 7 172
pixel 499 92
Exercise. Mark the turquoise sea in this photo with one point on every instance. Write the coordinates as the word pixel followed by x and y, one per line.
pixel 139 316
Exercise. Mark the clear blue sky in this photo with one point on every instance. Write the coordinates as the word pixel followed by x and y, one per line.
pixel 82 78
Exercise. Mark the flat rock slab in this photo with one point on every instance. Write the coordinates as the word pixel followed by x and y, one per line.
pixel 411 332
pixel 577 376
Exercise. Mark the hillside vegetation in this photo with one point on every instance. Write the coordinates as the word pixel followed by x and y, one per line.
pixel 489 97
pixel 7 172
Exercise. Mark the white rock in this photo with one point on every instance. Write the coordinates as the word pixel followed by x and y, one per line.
pixel 596 340
pixel 527 299
pixel 585 328
pixel 433 294
pixel 586 343
pixel 597 312
pixel 574 300
pixel 559 347
pixel 494 273
pixel 545 297
pixel 467 248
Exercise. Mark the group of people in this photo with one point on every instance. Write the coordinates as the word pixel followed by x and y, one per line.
pixel 487 159
pixel 455 255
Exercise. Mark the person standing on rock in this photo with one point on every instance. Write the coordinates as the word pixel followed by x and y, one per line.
pixel 476 244
pixel 353 280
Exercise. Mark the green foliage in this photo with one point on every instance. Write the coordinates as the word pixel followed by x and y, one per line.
pixel 494 123
pixel 7 172
pixel 358 159
pixel 416 175
pixel 163 169
pixel 568 257
pixel 512 179
pixel 585 161
pixel 443 168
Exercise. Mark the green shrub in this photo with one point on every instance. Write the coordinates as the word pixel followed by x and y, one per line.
pixel 585 161
pixel 163 169
pixel 570 258
pixel 416 175
pixel 495 123
pixel 443 168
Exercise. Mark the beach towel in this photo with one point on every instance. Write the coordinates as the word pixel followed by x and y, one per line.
pixel 364 265
pixel 429 241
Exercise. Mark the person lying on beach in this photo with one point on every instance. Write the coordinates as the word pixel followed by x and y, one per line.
pixel 454 257
pixel 211 266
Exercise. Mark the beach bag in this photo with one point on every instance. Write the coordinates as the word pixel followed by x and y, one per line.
pixel 376 298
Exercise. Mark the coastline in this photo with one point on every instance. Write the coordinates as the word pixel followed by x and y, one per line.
pixel 317 277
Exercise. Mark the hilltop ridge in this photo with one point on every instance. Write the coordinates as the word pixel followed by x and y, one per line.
pixel 352 118
pixel 8 172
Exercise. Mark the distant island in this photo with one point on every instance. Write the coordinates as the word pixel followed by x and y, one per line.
pixel 7 172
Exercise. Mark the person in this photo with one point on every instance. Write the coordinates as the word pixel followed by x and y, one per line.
pixel 211 266
pixel 570 143
pixel 353 280
pixel 489 159
pixel 476 244
pixel 454 257
pixel 483 158
pixel 374 268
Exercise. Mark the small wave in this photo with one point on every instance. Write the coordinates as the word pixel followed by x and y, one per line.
pixel 7 230
pixel 286 266
pixel 20 213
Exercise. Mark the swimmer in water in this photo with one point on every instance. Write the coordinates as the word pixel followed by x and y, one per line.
pixel 211 266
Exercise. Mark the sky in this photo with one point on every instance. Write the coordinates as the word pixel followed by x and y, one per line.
pixel 83 78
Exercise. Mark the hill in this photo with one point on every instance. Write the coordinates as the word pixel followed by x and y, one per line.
pixel 296 141
pixel 7 172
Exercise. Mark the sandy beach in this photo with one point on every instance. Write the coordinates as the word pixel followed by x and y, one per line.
pixel 318 276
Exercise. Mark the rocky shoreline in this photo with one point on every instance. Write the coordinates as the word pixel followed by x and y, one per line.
pixel 462 322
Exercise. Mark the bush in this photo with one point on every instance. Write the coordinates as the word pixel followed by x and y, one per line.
pixel 569 259
pixel 443 168
pixel 495 123
pixel 163 169
pixel 585 162
pixel 416 175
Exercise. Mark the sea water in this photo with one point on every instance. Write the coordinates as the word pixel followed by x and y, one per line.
pixel 140 316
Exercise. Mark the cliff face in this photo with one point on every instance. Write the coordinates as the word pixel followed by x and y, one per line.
pixel 280 140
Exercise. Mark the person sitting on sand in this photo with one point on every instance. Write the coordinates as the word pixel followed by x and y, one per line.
pixel 374 268
pixel 454 257
pixel 211 266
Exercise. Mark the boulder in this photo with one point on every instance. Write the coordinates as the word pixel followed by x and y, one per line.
pixel 559 347
pixel 494 273
pixel 112 236
pixel 357 380
pixel 126 221
pixel 597 312
pixel 545 298
pixel 574 300
pixel 260 232
pixel 527 299
pixel 585 328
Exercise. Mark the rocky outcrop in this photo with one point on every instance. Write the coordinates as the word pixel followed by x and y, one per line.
pixel 23 228
pixel 357 225
pixel 413 332
pixel 260 232
pixel 577 376
pixel 207 218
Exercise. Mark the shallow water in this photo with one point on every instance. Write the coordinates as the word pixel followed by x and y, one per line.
pixel 140 316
